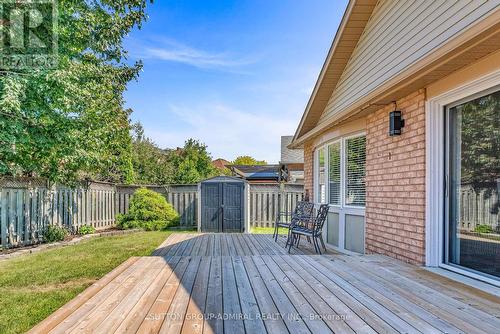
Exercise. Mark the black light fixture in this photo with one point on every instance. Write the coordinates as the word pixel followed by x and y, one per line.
pixel 395 122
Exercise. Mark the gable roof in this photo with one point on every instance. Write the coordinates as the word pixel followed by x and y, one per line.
pixel 357 79
pixel 220 163
pixel 351 27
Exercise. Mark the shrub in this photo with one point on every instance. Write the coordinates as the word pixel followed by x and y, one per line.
pixel 86 229
pixel 483 229
pixel 54 233
pixel 148 210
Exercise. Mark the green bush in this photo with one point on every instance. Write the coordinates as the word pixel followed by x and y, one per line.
pixel 86 229
pixel 54 233
pixel 483 229
pixel 148 210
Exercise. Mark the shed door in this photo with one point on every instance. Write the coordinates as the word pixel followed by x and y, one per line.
pixel 233 201
pixel 211 196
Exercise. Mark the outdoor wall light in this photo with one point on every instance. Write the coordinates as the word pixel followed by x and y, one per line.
pixel 395 122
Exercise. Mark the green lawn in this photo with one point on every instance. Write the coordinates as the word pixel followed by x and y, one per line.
pixel 267 230
pixel 33 286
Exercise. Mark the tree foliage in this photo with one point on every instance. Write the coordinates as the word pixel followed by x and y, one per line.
pixel 479 125
pixel 192 163
pixel 248 160
pixel 150 163
pixel 477 142
pixel 69 122
pixel 153 165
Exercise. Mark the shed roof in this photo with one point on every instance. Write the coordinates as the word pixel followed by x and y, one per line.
pixel 223 178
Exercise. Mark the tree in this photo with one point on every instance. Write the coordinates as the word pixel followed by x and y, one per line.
pixel 479 122
pixel 477 133
pixel 151 164
pixel 69 122
pixel 192 163
pixel 248 160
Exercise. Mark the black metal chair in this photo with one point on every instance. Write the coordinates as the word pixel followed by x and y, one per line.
pixel 312 229
pixel 303 211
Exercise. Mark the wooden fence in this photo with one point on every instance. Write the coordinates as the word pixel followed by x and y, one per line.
pixel 184 199
pixel 266 200
pixel 28 206
pixel 479 208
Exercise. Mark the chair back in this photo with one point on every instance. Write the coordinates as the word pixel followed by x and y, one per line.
pixel 303 212
pixel 321 216
pixel 304 209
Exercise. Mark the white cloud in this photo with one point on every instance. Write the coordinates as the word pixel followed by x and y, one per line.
pixel 227 132
pixel 166 49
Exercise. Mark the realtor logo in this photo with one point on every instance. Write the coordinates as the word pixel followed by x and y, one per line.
pixel 28 36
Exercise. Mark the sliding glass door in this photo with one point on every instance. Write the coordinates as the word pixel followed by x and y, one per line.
pixel 473 185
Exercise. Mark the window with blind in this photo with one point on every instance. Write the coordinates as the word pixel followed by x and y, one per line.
pixel 321 176
pixel 334 180
pixel 355 155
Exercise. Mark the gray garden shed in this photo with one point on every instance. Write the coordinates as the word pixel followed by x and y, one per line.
pixel 222 205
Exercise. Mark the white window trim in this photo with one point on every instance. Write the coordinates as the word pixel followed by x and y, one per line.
pixel 344 174
pixel 341 147
pixel 353 209
pixel 316 175
pixel 435 169
pixel 341 208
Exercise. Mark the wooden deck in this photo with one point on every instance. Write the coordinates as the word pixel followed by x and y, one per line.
pixel 192 288
pixel 230 244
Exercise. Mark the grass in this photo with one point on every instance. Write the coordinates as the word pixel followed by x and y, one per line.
pixel 34 286
pixel 267 230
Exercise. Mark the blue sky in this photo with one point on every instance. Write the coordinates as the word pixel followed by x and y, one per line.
pixel 234 74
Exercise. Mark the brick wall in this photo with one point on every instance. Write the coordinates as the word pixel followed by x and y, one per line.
pixel 308 169
pixel 395 178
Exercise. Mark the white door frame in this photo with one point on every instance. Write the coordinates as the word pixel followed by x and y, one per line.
pixel 435 169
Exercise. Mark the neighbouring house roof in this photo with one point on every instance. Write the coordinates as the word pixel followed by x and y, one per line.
pixel 384 50
pixel 256 172
pixel 220 163
pixel 288 155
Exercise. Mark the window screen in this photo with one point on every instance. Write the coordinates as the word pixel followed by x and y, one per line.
pixel 355 193
pixel 334 173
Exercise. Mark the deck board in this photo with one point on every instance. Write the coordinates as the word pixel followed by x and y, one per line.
pixel 230 244
pixel 236 283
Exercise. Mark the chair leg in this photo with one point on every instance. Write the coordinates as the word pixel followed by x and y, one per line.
pixel 298 240
pixel 322 242
pixel 288 237
pixel 290 245
pixel 275 234
pixel 308 240
pixel 316 246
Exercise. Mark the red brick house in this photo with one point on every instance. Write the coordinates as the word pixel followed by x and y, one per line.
pixel 425 191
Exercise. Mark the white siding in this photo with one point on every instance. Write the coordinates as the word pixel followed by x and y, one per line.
pixel 398 34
